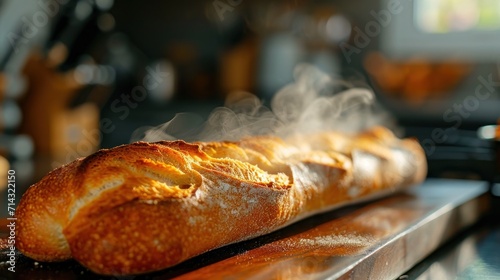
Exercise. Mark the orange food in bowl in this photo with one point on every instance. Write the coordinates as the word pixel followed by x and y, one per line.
pixel 415 80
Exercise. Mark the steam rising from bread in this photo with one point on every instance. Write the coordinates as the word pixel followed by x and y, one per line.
pixel 308 105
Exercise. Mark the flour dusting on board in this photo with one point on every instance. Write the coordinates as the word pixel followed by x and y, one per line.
pixel 337 240
pixel 310 104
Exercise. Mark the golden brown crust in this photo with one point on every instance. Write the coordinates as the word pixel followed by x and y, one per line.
pixel 147 206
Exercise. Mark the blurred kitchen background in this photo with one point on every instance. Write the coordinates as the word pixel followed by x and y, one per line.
pixel 79 75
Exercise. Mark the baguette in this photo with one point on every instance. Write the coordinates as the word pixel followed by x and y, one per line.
pixel 143 207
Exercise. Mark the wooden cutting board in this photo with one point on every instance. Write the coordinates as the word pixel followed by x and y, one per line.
pixel 377 240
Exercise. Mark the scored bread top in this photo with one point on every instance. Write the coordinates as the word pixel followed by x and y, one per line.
pixel 139 171
pixel 145 206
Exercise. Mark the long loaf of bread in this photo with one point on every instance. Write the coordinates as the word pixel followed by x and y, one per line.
pixel 147 206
